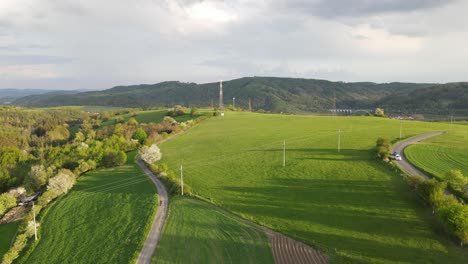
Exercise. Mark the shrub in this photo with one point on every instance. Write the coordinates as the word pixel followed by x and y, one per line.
pixel 379 112
pixel 113 158
pixel 169 119
pixel 140 135
pixel 7 201
pixel 456 180
pixel 47 197
pixel 170 179
pixel 455 217
pixel 132 122
pixel 383 148
pixel 193 111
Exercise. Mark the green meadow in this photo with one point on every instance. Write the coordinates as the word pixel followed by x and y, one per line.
pixel 104 219
pixel 347 203
pixel 198 232
pixel 149 116
pixel 8 232
pixel 439 155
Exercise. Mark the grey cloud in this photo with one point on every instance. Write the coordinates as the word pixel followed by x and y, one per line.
pixel 358 8
pixel 32 59
pixel 69 7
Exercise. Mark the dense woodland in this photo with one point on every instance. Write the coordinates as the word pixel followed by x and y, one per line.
pixel 36 143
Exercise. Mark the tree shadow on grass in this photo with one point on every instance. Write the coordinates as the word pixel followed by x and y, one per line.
pixel 340 213
pixel 122 179
pixel 323 154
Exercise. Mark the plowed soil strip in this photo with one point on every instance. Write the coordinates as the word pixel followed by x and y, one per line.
pixel 289 251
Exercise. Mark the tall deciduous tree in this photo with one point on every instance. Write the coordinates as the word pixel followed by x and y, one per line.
pixel 140 135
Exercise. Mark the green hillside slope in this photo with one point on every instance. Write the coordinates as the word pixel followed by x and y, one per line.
pixel 268 93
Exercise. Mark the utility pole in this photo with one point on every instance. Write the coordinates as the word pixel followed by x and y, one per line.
pixel 233 102
pixel 181 180
pixel 401 128
pixel 451 121
pixel 284 153
pixel 35 226
pixel 339 140
pixel 250 105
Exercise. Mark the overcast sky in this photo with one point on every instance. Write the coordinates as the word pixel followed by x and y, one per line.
pixel 97 44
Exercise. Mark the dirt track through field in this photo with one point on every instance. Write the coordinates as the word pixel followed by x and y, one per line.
pixel 289 251
pixel 158 222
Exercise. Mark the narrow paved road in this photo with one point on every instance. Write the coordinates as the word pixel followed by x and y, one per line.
pixel 404 163
pixel 158 222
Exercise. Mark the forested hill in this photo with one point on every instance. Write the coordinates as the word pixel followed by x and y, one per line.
pixel 446 98
pixel 268 93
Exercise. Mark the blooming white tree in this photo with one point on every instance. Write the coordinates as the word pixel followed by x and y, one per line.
pixel 62 182
pixel 150 154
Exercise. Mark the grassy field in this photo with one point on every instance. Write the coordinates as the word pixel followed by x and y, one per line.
pixel 440 154
pixel 7 232
pixel 150 116
pixel 104 219
pixel 198 232
pixel 347 203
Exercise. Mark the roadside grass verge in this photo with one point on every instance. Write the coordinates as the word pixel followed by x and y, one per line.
pixel 347 203
pixel 198 232
pixel 104 219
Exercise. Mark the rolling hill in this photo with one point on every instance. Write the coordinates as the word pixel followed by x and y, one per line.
pixel 290 95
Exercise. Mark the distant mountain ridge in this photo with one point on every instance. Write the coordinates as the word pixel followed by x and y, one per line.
pixel 290 95
pixel 9 95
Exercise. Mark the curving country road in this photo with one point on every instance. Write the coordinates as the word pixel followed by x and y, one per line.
pixel 404 163
pixel 158 222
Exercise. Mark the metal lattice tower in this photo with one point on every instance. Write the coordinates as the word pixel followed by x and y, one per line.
pixel 221 106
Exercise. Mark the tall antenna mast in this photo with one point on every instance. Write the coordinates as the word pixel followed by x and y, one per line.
pixel 221 106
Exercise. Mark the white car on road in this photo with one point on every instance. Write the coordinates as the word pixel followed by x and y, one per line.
pixel 396 157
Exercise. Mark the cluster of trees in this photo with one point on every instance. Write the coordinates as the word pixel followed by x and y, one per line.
pixel 7 201
pixel 51 159
pixel 177 111
pixel 452 213
pixel 23 128
pixel 379 112
pixel 457 182
pixel 383 148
